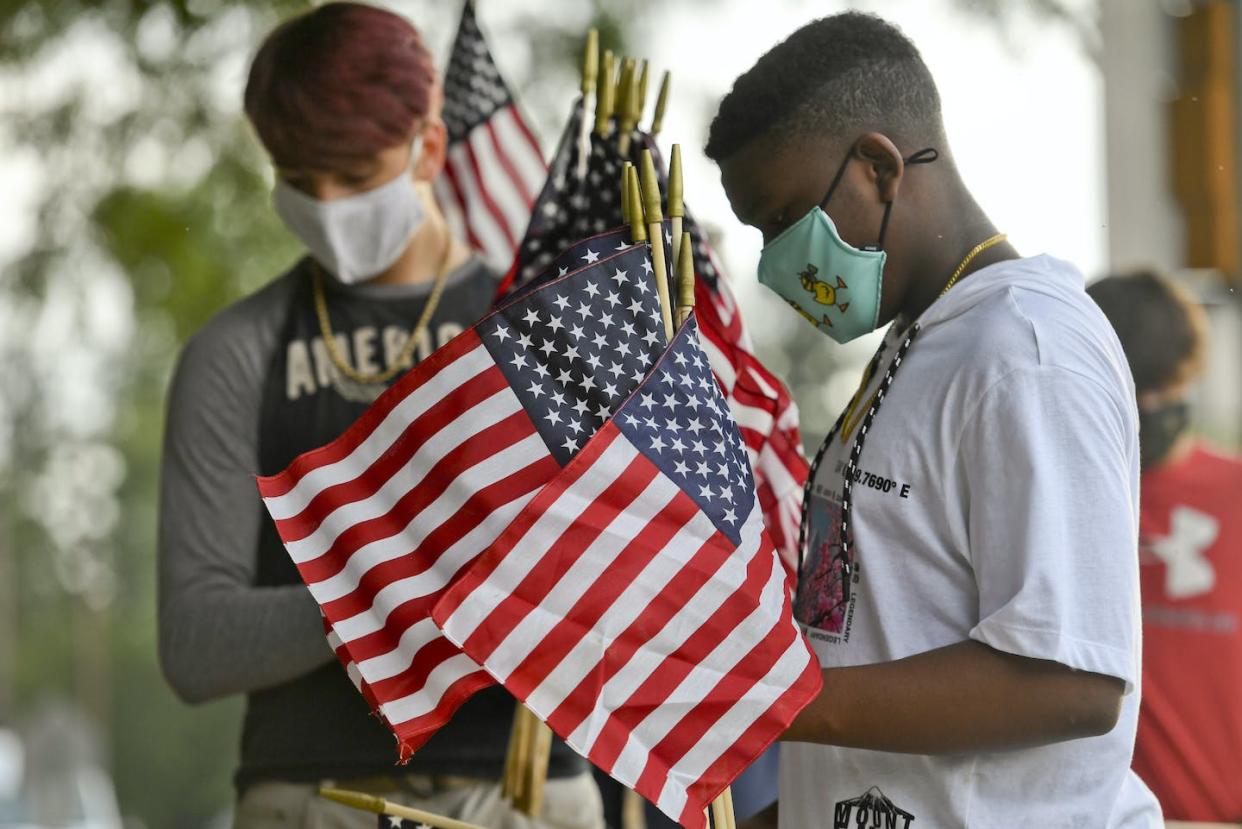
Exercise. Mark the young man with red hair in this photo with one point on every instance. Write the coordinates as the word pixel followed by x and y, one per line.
pixel 346 101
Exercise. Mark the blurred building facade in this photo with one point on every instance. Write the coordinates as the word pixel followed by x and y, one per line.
pixel 1172 83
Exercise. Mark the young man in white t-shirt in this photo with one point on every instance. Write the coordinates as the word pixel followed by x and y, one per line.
pixel 969 577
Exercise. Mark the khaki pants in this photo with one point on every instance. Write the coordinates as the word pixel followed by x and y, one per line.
pixel 568 803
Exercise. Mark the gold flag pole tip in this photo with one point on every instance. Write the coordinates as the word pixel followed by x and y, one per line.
pixel 603 94
pixel 657 122
pixel 590 61
pixel 676 202
pixel 638 230
pixel 685 279
pixel 654 216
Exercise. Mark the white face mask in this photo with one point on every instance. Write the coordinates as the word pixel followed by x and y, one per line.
pixel 355 237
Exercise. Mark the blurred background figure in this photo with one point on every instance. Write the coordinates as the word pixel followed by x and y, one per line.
pixel 1189 745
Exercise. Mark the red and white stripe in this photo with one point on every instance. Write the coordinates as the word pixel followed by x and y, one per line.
pixel 383 519
pixel 490 181
pixel 766 414
pixel 657 648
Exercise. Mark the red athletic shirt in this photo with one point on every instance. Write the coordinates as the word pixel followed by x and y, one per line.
pixel 1189 745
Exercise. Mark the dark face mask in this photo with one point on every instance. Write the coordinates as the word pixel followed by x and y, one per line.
pixel 1159 428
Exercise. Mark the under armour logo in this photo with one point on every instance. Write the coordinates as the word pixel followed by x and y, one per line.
pixel 1187 572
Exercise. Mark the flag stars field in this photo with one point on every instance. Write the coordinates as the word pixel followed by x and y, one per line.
pixel 590 359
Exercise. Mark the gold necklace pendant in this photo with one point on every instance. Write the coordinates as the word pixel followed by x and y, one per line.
pixel 405 358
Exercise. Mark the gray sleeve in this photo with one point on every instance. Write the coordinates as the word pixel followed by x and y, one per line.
pixel 219 634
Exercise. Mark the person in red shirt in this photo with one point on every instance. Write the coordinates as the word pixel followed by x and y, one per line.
pixel 1189 744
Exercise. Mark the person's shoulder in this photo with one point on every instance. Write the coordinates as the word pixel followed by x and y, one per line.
pixel 240 337
pixel 479 272
pixel 1218 463
pixel 1066 330
pixel 1030 323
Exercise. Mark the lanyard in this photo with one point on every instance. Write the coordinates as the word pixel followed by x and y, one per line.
pixel 851 465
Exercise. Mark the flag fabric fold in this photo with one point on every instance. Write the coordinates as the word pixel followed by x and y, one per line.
pixel 636 603
pixel 382 520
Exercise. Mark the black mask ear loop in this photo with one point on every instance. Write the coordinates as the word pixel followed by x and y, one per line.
pixel 836 179
pixel 924 156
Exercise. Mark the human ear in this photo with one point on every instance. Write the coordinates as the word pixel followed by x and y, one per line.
pixel 434 149
pixel 884 164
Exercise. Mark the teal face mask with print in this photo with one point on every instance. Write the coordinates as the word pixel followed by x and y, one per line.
pixel 832 284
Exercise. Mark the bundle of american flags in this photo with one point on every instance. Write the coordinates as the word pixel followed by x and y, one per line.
pixel 492 172
pixel 563 501
pixel 569 208
pixel 657 639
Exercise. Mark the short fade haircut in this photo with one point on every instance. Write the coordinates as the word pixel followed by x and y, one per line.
pixel 848 73
pixel 1162 329
pixel 338 83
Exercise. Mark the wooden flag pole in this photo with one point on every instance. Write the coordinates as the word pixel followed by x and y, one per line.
pixel 540 755
pixel 657 122
pixel 653 214
pixel 590 74
pixel 685 280
pixel 603 94
pixel 721 811
pixel 509 784
pixel 380 806
pixel 676 204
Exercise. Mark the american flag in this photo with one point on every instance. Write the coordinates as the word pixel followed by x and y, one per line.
pixel 637 605
pixel 383 519
pixel 568 209
pixel 494 166
pixel 765 412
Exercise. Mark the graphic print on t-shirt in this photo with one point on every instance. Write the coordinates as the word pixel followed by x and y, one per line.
pixel 1188 571
pixel 820 604
pixel 870 809
pixel 369 349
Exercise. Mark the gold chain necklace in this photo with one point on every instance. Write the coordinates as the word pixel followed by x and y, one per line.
pixel 404 359
pixel 975 251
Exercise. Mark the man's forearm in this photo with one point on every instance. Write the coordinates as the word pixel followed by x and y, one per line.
pixel 232 641
pixel 961 698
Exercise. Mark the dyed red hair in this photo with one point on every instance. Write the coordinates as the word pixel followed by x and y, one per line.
pixel 341 82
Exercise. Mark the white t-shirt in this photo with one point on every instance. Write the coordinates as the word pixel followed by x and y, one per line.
pixel 997 500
